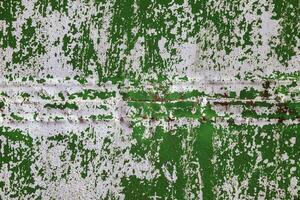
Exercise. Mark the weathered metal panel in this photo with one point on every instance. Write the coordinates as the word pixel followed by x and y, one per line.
pixel 164 99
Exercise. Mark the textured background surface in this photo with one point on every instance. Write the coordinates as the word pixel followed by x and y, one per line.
pixel 140 99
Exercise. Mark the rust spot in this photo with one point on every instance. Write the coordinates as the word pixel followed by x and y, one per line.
pixel 265 94
pixel 266 84
pixel 81 120
pixel 170 119
pixel 153 119
pixel 157 98
pixel 224 103
pixel 251 103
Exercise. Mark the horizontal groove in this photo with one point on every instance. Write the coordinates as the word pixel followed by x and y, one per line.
pixel 95 84
pixel 120 119
pixel 215 101
pixel 97 100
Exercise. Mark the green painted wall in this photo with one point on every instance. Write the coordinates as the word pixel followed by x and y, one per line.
pixel 127 99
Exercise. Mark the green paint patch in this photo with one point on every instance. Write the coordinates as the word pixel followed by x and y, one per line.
pixel 249 93
pixel 16 156
pixel 169 110
pixel 61 106
pixel 101 117
pixel 162 142
pixel 16 117
pixel 92 94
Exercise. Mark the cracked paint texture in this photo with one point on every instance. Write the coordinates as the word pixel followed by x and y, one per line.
pixel 165 99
